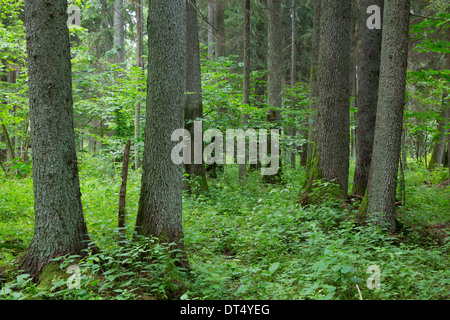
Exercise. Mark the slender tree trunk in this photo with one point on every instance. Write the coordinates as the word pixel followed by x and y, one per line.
pixel 219 23
pixel 211 28
pixel 9 147
pixel 275 71
pixel 293 44
pixel 193 106
pixel 119 32
pixel 123 192
pixel 246 84
pixel 314 87
pixel 437 154
pixel 160 203
pixel 330 158
pixel 368 76
pixel 381 188
pixel 139 64
pixel 292 130
pixel 59 228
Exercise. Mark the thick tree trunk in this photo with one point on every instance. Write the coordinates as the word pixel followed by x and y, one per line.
pixel 381 188
pixel 193 106
pixel 368 76
pixel 275 71
pixel 160 203
pixel 60 228
pixel 330 158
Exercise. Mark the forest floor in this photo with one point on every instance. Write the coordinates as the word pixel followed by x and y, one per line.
pixel 243 241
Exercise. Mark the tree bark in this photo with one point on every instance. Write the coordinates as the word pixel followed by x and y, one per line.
pixel 381 188
pixel 330 158
pixel 193 106
pixel 275 73
pixel 139 64
pixel 60 228
pixel 313 81
pixel 246 72
pixel 292 130
pixel 437 154
pixel 160 203
pixel 219 23
pixel 368 80
pixel 119 32
pixel 211 28
pixel 123 192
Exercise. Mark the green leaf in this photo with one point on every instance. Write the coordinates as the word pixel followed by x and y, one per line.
pixel 273 267
pixel 347 269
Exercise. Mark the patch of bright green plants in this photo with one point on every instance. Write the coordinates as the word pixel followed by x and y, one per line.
pixel 243 240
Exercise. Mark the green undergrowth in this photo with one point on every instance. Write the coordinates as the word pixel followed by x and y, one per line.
pixel 243 240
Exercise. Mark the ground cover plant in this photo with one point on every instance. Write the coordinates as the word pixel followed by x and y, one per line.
pixel 255 242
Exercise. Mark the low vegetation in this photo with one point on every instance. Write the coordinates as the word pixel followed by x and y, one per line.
pixel 243 242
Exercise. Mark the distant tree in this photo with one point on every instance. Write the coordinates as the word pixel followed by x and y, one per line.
pixel 193 106
pixel 275 71
pixel 313 79
pixel 246 72
pixel 119 32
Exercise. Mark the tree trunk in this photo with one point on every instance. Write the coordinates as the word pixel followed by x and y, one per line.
pixel 9 147
pixel 119 32
pixel 139 64
pixel 292 130
pixel 381 188
pixel 219 23
pixel 448 111
pixel 314 88
pixel 59 228
pixel 211 28
pixel 330 158
pixel 368 76
pixel 193 106
pixel 246 84
pixel 123 192
pixel 275 73
pixel 160 203
pixel 437 154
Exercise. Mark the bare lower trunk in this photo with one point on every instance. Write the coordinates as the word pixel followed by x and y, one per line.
pixel 381 189
pixel 246 84
pixel 193 107
pixel 160 203
pixel 368 75
pixel 275 70
pixel 60 228
pixel 331 154
pixel 123 191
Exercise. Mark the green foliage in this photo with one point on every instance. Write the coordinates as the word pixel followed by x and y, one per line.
pixel 242 242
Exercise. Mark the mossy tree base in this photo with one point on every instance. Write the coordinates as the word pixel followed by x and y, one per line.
pixel 316 190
